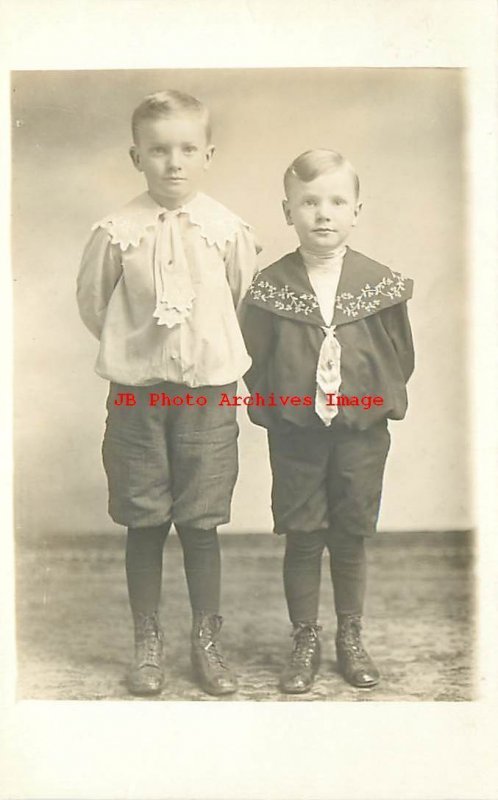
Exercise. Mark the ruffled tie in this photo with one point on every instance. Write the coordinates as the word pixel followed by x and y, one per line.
pixel 328 376
pixel 174 291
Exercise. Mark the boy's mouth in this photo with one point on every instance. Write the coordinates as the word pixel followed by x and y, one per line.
pixel 324 230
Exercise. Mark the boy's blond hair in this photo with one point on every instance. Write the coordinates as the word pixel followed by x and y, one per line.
pixel 168 104
pixel 312 163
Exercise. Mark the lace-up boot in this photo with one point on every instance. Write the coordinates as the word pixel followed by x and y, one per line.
pixel 210 670
pixel 147 675
pixel 299 672
pixel 354 663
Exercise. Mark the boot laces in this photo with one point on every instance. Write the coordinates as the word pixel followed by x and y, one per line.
pixel 208 633
pixel 150 641
pixel 214 655
pixel 357 648
pixel 152 648
pixel 351 639
pixel 305 641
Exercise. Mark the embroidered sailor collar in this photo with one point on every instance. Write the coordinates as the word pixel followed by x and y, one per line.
pixel 285 290
pixel 129 225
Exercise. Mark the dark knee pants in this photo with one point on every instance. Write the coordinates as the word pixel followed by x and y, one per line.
pixel 174 463
pixel 327 486
pixel 328 479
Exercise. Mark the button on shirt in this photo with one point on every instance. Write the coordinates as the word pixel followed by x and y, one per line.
pixel 324 273
pixel 160 289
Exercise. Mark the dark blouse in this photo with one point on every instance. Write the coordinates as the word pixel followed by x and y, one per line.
pixel 284 330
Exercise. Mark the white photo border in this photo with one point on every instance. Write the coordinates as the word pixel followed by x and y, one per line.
pixel 270 750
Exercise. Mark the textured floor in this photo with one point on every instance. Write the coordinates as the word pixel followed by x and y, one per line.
pixel 74 632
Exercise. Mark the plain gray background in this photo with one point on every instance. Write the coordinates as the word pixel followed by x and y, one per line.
pixel 403 131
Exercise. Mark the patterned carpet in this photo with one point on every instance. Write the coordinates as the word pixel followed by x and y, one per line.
pixel 74 631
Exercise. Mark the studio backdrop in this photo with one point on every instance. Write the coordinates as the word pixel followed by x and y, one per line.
pixel 403 130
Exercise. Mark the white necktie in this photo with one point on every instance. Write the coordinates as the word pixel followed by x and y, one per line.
pixel 328 376
pixel 174 291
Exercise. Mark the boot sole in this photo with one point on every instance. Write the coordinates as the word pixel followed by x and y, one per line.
pixel 216 693
pixel 145 692
pixel 197 679
pixel 300 691
pixel 360 685
pixel 296 691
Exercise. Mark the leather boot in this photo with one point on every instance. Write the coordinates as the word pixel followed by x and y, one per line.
pixel 147 675
pixel 210 670
pixel 299 673
pixel 354 663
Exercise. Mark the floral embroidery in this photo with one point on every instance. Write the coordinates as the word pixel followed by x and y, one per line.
pixel 367 301
pixel 371 298
pixel 283 299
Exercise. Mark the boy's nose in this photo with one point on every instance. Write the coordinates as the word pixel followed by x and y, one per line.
pixel 174 160
pixel 323 213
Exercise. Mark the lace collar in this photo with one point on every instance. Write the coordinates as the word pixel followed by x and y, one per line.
pixel 127 227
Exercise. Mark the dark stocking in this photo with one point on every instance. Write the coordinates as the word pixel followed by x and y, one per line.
pixel 348 569
pixel 201 556
pixel 144 562
pixel 302 570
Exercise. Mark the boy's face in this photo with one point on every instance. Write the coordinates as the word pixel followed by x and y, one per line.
pixel 173 153
pixel 324 210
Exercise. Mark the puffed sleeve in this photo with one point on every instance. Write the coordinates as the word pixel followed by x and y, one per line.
pixel 257 330
pixel 99 273
pixel 397 324
pixel 240 263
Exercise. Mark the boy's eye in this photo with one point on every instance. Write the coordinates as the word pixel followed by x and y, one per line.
pixel 339 201
pixel 158 151
pixel 190 148
pixel 310 202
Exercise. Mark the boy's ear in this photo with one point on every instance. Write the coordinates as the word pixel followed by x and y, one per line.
pixel 287 212
pixel 135 158
pixel 357 210
pixel 210 151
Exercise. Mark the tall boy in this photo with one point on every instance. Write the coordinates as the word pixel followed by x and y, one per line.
pixel 323 321
pixel 159 286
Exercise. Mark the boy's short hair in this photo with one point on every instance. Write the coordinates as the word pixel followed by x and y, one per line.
pixel 312 163
pixel 168 104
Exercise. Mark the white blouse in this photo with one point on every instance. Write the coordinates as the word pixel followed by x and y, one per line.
pixel 160 290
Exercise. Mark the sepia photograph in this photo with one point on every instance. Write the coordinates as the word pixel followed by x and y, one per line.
pixel 246 489
pixel 373 169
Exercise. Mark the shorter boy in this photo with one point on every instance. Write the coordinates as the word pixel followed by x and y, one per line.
pixel 327 321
